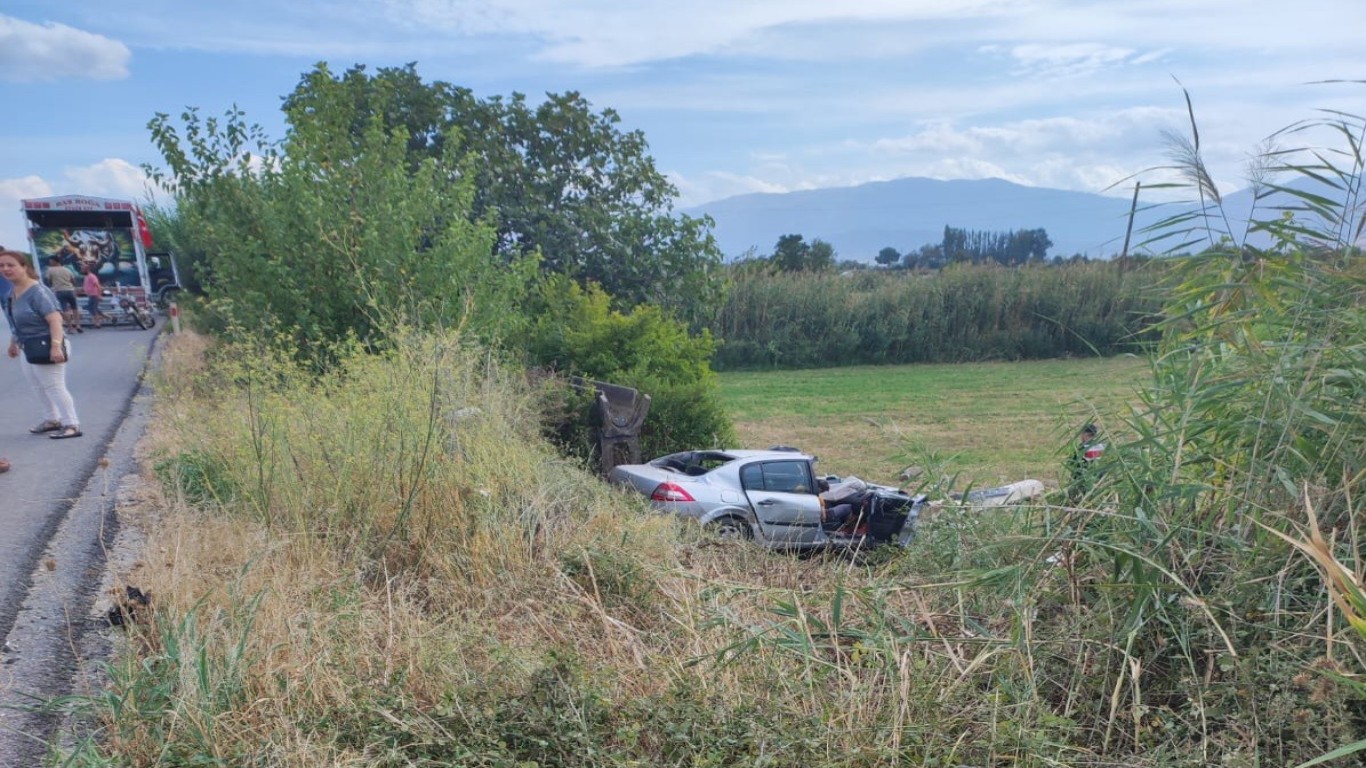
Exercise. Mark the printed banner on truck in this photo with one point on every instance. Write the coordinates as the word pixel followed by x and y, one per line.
pixel 109 252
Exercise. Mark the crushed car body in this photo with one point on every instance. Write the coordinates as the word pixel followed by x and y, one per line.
pixel 773 497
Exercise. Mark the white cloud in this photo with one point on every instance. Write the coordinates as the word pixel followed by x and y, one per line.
pixel 46 52
pixel 971 168
pixel 938 137
pixel 111 177
pixel 1067 60
pixel 610 33
pixel 12 232
pixel 715 185
pixel 1030 151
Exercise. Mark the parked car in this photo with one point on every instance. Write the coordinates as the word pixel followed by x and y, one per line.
pixel 774 497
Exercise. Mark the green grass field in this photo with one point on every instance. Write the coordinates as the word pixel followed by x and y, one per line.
pixel 989 423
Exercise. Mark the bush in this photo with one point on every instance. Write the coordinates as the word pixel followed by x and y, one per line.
pixel 576 332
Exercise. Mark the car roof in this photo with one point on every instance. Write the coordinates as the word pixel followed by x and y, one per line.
pixel 749 453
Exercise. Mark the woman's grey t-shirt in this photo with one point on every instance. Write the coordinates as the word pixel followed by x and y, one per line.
pixel 28 313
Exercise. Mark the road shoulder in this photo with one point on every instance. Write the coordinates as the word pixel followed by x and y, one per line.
pixel 60 640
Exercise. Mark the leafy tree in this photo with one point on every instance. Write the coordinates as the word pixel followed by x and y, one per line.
pixel 789 254
pixel 557 178
pixel 793 254
pixel 927 257
pixel 888 256
pixel 821 256
pixel 331 233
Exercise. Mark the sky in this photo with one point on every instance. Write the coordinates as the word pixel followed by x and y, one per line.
pixel 733 96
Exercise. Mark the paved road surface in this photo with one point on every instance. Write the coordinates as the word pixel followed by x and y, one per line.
pixel 47 480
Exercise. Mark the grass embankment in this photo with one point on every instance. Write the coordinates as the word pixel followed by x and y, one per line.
pixel 385 567
pixel 989 423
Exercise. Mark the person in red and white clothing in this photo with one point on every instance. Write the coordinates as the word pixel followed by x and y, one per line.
pixel 94 291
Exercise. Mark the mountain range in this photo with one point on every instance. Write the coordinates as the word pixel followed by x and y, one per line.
pixel 907 213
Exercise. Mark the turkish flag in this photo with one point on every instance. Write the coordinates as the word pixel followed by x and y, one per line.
pixel 143 230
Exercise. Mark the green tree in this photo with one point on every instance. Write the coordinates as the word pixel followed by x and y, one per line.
pixel 1011 248
pixel 888 256
pixel 790 252
pixel 820 257
pixel 331 233
pixel 557 178
pixel 793 254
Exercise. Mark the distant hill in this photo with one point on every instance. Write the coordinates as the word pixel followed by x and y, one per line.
pixel 908 213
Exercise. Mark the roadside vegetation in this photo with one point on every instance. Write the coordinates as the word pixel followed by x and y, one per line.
pixel 965 312
pixel 366 554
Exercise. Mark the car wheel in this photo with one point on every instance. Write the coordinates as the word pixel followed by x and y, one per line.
pixel 730 529
pixel 167 297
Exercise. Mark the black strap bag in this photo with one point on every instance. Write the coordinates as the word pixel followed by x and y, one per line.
pixel 38 350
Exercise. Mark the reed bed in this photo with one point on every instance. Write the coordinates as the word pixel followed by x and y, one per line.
pixel 964 313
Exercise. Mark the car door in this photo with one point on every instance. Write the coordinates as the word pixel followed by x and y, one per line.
pixel 782 493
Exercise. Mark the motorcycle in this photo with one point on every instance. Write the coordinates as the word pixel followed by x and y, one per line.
pixel 139 314
pixel 127 305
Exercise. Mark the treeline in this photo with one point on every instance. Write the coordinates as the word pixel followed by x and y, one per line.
pixel 1011 248
pixel 801 320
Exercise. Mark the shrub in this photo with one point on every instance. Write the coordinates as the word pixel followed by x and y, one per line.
pixel 577 332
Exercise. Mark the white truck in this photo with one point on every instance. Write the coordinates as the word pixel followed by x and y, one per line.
pixel 109 236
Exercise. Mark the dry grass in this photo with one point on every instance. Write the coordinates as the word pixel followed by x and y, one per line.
pixel 333 588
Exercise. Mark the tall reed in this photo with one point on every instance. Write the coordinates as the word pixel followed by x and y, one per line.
pixel 1253 418
pixel 804 320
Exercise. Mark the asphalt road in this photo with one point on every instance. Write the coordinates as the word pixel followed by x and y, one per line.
pixel 51 502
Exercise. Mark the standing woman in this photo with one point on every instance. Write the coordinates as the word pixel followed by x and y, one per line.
pixel 34 314
pixel 93 290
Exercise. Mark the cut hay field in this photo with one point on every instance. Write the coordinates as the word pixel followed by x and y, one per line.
pixel 988 423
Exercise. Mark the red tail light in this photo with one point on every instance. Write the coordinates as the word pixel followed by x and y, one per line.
pixel 670 492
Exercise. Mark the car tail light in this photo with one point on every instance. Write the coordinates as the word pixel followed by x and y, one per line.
pixel 670 492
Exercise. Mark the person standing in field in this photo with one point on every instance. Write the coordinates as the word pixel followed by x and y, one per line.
pixel 94 291
pixel 33 313
pixel 63 284
pixel 1081 465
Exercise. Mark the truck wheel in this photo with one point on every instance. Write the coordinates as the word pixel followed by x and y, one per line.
pixel 730 529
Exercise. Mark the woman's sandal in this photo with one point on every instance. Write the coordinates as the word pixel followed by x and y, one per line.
pixel 47 426
pixel 71 431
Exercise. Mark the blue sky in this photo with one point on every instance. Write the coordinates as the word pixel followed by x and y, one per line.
pixel 734 96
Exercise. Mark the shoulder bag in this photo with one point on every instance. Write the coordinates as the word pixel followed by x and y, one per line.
pixel 38 350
